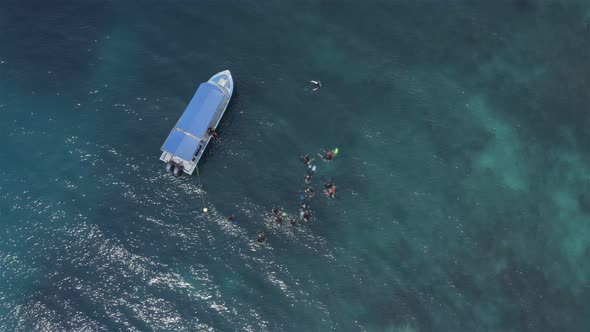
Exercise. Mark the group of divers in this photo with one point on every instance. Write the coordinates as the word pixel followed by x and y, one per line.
pixel 305 213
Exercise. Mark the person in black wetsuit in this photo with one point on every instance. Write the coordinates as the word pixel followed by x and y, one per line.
pixel 211 132
pixel 328 184
pixel 307 160
pixel 304 206
pixel 261 237
pixel 279 219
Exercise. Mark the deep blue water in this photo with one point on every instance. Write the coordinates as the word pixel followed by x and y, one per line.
pixel 463 176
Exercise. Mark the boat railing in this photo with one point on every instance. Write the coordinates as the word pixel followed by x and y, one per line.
pixel 218 112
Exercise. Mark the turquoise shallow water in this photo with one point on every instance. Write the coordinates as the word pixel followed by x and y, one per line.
pixel 463 172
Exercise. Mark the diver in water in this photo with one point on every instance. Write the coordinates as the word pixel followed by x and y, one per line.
pixel 211 132
pixel 261 237
pixel 279 219
pixel 304 206
pixel 331 192
pixel 309 175
pixel 328 156
pixel 306 160
pixel 316 85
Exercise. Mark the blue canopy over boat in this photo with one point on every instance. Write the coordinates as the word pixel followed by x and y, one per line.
pixel 185 138
pixel 181 145
pixel 199 112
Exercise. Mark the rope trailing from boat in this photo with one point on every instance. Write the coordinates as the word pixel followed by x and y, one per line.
pixel 205 209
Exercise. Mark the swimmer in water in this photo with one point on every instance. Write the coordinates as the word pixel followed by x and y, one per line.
pixel 306 160
pixel 279 219
pixel 306 215
pixel 304 206
pixel 331 192
pixel 261 237
pixel 276 211
pixel 309 192
pixel 309 175
pixel 328 156
pixel 231 218
pixel 316 85
pixel 293 221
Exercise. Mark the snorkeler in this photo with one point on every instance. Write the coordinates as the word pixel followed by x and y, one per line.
pixel 306 160
pixel 309 192
pixel 306 215
pixel 293 221
pixel 309 175
pixel 276 211
pixel 279 219
pixel 231 218
pixel 304 206
pixel 316 84
pixel 211 132
pixel 261 237
pixel 331 192
pixel 329 155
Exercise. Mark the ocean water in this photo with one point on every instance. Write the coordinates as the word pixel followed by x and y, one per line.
pixel 463 176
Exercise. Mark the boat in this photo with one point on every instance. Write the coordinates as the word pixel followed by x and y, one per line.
pixel 189 138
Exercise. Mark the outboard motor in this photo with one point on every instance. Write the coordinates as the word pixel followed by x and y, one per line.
pixel 177 170
pixel 169 166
